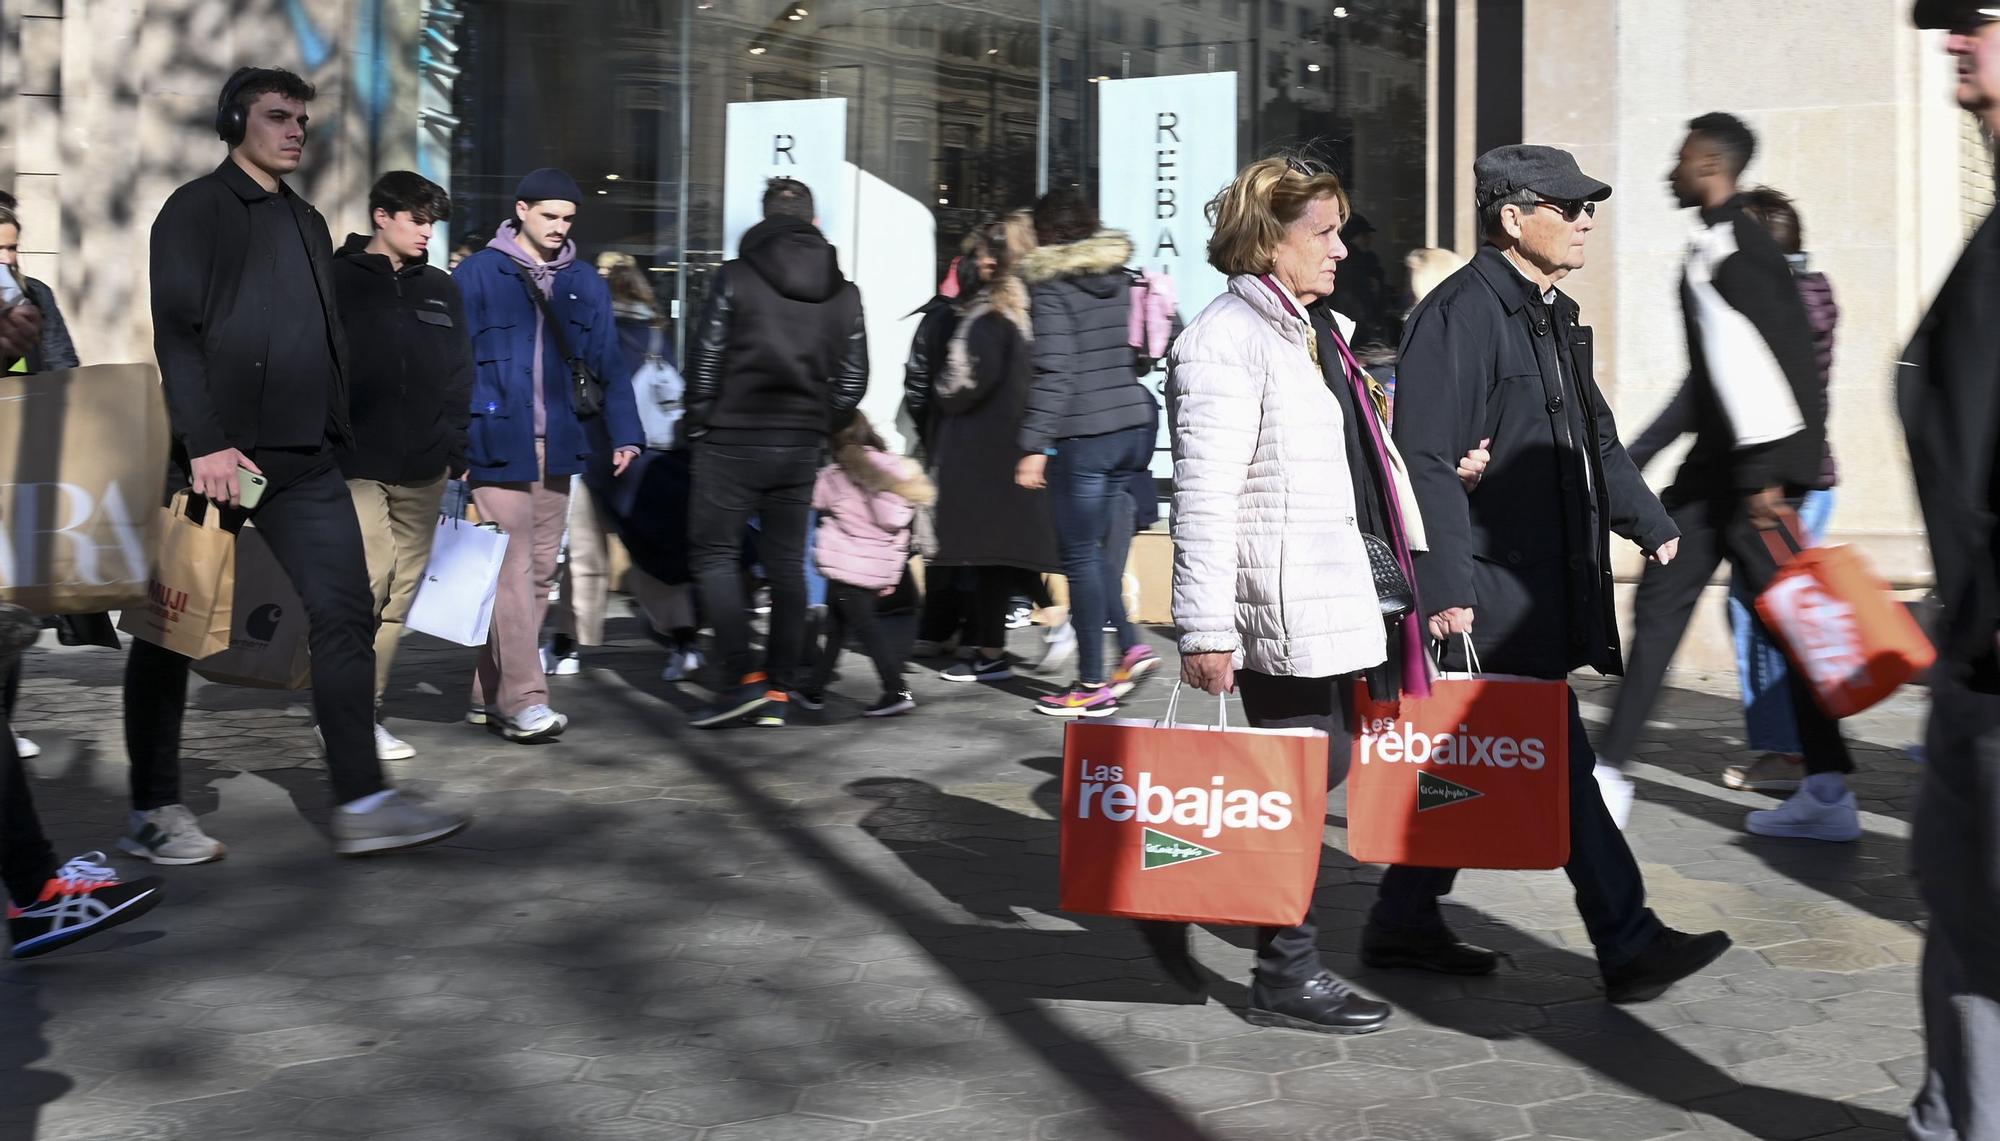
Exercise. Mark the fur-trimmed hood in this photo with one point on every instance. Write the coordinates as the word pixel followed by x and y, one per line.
pixel 1102 252
pixel 1007 298
pixel 885 472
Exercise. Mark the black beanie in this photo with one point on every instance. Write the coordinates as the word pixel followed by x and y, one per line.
pixel 548 182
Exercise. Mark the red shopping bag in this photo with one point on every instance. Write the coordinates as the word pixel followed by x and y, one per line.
pixel 1839 622
pixel 1474 776
pixel 1204 825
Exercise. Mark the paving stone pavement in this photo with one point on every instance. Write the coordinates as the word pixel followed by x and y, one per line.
pixel 850 931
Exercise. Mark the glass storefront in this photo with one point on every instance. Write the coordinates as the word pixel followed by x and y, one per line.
pixel 914 119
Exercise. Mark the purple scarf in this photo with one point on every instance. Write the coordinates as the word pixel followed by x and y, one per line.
pixel 1416 670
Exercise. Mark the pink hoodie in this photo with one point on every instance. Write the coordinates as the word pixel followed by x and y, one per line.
pixel 864 533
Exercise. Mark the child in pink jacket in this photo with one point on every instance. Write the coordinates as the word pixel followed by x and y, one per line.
pixel 866 501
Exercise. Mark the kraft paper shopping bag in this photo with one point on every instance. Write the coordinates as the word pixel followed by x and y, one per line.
pixel 191 595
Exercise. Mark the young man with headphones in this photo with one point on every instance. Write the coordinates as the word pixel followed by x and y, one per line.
pixel 253 363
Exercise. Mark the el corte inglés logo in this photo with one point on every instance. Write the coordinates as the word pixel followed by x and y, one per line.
pixel 1434 791
pixel 1161 851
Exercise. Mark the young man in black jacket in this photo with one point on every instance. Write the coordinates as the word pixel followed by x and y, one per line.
pixel 254 368
pixel 1949 392
pixel 1759 445
pixel 779 355
pixel 411 400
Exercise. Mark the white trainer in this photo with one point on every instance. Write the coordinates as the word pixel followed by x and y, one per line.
pixel 389 747
pixel 170 835
pixel 535 723
pixel 26 749
pixel 1807 817
pixel 1616 789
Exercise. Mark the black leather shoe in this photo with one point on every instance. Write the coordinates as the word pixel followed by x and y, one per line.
pixel 1169 943
pixel 1669 958
pixel 1324 1005
pixel 1437 950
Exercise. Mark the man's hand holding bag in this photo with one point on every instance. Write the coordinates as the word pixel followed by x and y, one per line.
pixel 190 600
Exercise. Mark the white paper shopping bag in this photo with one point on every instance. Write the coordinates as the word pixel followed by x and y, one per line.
pixel 455 600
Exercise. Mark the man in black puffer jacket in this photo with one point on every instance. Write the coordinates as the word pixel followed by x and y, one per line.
pixel 410 399
pixel 779 357
pixel 1088 432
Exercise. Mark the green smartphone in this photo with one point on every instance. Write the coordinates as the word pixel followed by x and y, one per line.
pixel 250 488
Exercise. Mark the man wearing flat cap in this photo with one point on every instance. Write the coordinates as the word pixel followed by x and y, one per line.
pixel 1519 564
pixel 1949 390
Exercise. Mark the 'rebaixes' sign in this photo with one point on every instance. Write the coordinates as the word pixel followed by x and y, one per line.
pixel 1165 146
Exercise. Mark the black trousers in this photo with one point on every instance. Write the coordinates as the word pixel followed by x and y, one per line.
pixel 1956 849
pixel 1289 956
pixel 993 590
pixel 26 859
pixel 733 482
pixel 946 590
pixel 307 518
pixel 851 609
pixel 1610 892
pixel 1712 531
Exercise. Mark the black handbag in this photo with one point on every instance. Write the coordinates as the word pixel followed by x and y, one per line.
pixel 586 392
pixel 1392 586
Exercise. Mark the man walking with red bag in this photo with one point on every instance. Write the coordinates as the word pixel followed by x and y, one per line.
pixel 1496 357
pixel 1951 413
pixel 1759 445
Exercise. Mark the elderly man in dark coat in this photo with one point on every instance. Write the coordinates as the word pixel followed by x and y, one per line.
pixel 1496 357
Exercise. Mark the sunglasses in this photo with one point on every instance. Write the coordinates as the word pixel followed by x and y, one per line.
pixel 1571 209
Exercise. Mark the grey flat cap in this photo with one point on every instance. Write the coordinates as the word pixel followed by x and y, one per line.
pixel 1544 170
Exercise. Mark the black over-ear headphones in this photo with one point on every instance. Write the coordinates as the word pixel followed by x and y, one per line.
pixel 231 119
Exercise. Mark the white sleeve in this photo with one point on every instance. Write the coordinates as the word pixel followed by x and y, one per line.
pixel 1216 408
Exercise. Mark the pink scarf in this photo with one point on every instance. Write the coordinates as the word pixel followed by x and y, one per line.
pixel 1416 671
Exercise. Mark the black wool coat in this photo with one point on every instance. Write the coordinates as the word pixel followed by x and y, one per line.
pixel 983 517
pixel 1483 357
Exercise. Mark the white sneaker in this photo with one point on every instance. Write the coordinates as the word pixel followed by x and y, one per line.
pixel 535 723
pixel 25 748
pixel 389 747
pixel 1807 817
pixel 560 665
pixel 1616 789
pixel 1061 648
pixel 681 665
pixel 170 835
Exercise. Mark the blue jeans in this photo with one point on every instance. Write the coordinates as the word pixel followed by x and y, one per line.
pixel 1760 665
pixel 1087 497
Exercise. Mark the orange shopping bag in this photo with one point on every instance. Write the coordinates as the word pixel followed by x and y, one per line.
pixel 1192 823
pixel 1839 622
pixel 1474 776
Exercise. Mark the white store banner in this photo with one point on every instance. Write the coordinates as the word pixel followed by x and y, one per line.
pixel 804 139
pixel 1166 145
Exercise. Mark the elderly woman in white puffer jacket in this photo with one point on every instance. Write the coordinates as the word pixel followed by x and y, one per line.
pixel 1281 463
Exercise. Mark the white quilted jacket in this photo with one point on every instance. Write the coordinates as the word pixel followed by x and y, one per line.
pixel 1268 559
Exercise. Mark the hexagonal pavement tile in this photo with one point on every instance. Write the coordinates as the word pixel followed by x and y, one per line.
pixel 1827 955
pixel 1601 1116
pixel 881 1099
pixel 1814 1074
pixel 1507 1083
pixel 1191 1023
pixel 1266 1053
pixel 1746 1012
pixel 1809 985
pixel 760 1032
pixel 670 1068
pixel 1774 1115
pixel 1845 1041
pixel 562 1109
pixel 1292 1120
pixel 790 1127
pixel 374 1113
pixel 717 1104
pixel 1451 1117
pixel 1355 1084
pixel 1722 1045
pixel 966 1123
pixel 275 1014
pixel 461 1040
pixel 1875 1008
pixel 1418 1048
pixel 1202 1089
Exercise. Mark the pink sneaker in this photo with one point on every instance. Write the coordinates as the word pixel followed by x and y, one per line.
pixel 1080 702
pixel 1133 668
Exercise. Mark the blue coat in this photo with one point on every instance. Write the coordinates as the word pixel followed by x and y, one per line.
pixel 501 443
